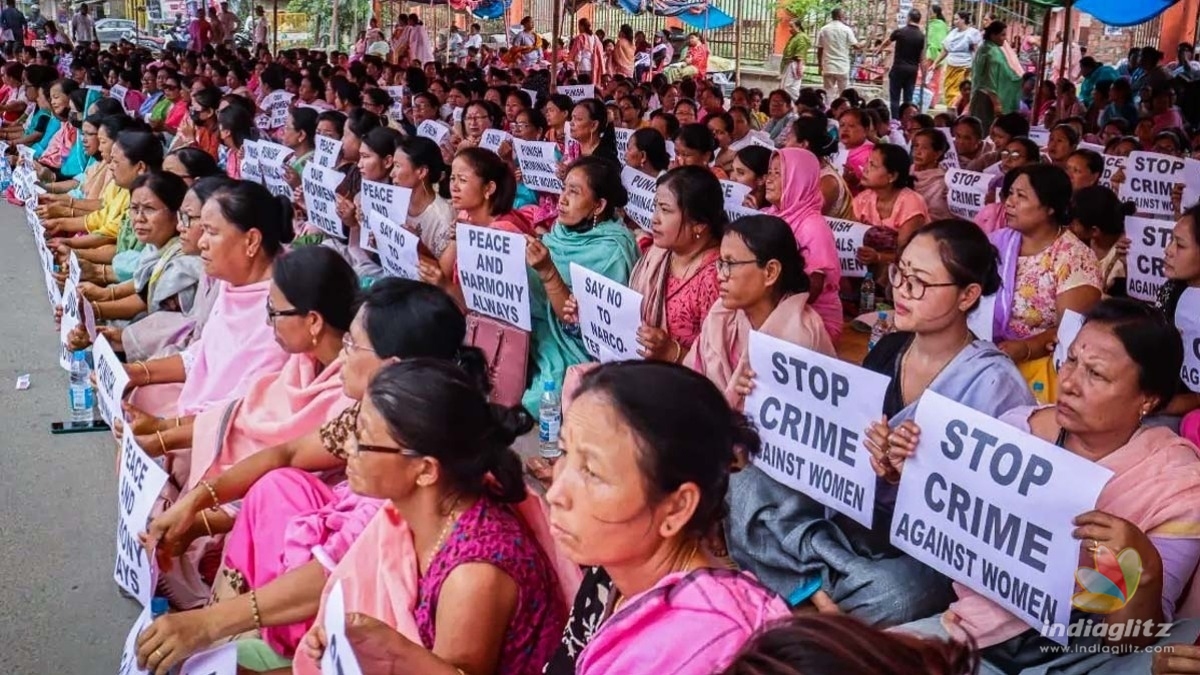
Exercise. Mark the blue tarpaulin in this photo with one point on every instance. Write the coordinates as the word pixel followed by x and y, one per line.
pixel 710 19
pixel 1123 12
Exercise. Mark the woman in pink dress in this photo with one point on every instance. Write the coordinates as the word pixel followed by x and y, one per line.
pixel 888 204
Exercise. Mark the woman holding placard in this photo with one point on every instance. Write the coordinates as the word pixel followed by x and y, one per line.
pixel 589 234
pixel 417 165
pixel 1181 265
pixel 763 288
pixel 677 276
pixel 791 190
pixel 750 167
pixel 478 117
pixel 888 204
pixel 1123 366
pixel 1046 270
pixel 811 132
pixel 647 152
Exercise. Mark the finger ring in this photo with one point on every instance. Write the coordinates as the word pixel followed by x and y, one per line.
pixel 157 654
pixel 1095 546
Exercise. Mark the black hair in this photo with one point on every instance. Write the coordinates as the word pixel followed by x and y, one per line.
pixel 141 146
pixel 318 279
pixel 970 122
pixel 603 178
pixel 470 438
pixel 347 92
pixel 562 102
pixel 671 120
pixel 607 144
pixel 814 130
pixel 361 121
pixel 206 187
pixel 1068 131
pixel 197 162
pixel 167 187
pixel 208 97
pixel 109 106
pixel 1094 160
pixel 305 121
pixel 966 252
pixel 250 206
pixel 491 169
pixel 338 119
pixel 1151 341
pixel 756 158
pixel 896 160
pixel 238 121
pixel 698 137
pixel 494 112
pixel 700 196
pixel 1097 206
pixel 937 140
pixel 650 142
pixel 686 430
pixel 536 119
pixel 725 118
pixel 1033 153
pixel 1013 124
pixel 423 152
pixel 771 238
pixel 382 141
pixel 1052 187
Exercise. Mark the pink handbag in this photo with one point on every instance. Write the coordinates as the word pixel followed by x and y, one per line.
pixel 506 349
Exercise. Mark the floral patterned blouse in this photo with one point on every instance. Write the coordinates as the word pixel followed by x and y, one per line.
pixel 1066 264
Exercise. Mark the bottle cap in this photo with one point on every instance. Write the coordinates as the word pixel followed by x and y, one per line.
pixel 159 606
pixel 1038 386
pixel 548 385
pixel 882 315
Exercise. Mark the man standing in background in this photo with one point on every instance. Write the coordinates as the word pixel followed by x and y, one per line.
pixel 834 42
pixel 906 61
pixel 83 28
pixel 259 28
pixel 229 22
pixel 12 22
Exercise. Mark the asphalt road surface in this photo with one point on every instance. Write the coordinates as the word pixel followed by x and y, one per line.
pixel 60 611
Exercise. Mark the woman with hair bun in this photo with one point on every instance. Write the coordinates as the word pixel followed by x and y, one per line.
pixel 763 288
pixel 940 277
pixel 458 560
pixel 638 494
pixel 1098 219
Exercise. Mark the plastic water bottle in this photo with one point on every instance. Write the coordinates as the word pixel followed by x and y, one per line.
pixel 82 396
pixel 866 294
pixel 1039 392
pixel 881 328
pixel 549 420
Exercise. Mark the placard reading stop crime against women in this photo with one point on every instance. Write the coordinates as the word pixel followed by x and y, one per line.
pixel 1148 242
pixel 992 507
pixel 111 380
pixel 965 191
pixel 641 189
pixel 138 486
pixel 848 238
pixel 609 315
pixel 493 274
pixel 1187 320
pixel 1150 178
pixel 811 411
pixel 539 165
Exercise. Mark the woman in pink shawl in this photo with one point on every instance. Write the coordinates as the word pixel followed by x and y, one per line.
pixel 294 526
pixel 1123 365
pixel 794 191
pixel 459 561
pixel 655 597
pixel 763 288
pixel 587 53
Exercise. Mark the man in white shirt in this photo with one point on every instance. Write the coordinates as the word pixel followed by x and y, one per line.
pixel 259 27
pixel 83 28
pixel 229 22
pixel 454 45
pixel 475 39
pixel 834 44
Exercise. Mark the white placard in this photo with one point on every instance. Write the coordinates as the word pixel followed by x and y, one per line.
pixel 320 198
pixel 992 507
pixel 609 315
pixel 219 661
pixel 390 201
pixel 74 272
pixel 1148 241
pixel 1068 328
pixel 434 130
pixel 735 212
pixel 326 154
pixel 811 411
pixel 1112 164
pixel 735 193
pixel 965 192
pixel 1094 147
pixel 1187 320
pixel 1150 177
pixel 250 166
pixel 271 157
pixel 492 272
pixel 128 665
pixel 397 247
pixel 138 486
pixel 275 108
pixel 641 189
pixel 1039 135
pixel 539 165
pixel 577 92
pixel 622 136
pixel 670 149
pixel 66 325
pixel 338 656
pixel 981 320
pixel 396 110
pixel 111 380
pixel 493 138
pixel 848 238
pixel 119 93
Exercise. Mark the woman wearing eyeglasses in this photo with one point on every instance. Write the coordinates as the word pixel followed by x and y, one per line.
pixel 763 287
pixel 940 276
pixel 292 527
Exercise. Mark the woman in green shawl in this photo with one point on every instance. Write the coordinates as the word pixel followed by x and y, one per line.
pixel 936 30
pixel 791 76
pixel 589 233
pixel 995 84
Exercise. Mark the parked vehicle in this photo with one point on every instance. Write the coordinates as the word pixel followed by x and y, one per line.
pixel 109 31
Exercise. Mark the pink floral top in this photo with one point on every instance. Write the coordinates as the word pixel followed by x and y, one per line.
pixel 491 533
pixel 688 301
pixel 1066 264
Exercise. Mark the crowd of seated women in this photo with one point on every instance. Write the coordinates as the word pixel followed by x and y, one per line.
pixel 324 423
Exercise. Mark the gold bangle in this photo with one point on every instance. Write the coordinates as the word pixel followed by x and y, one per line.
pixel 678 351
pixel 112 293
pixel 161 442
pixel 212 492
pixel 98 313
pixel 254 610
pixel 178 422
pixel 207 527
pixel 142 364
